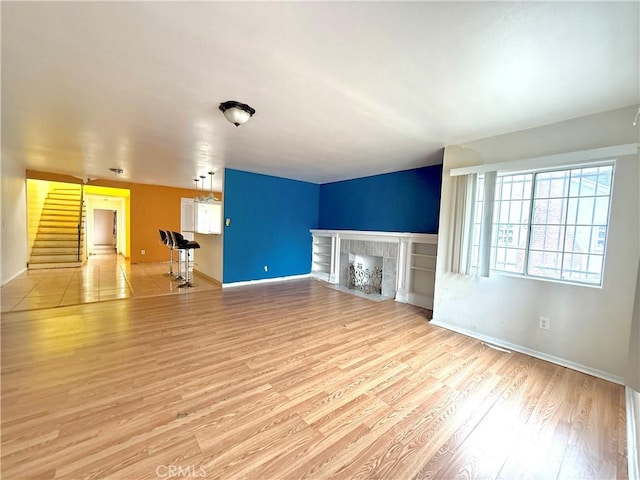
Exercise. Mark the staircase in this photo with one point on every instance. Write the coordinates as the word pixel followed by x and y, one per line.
pixel 56 243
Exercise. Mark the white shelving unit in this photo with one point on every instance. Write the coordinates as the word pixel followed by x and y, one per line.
pixel 322 260
pixel 421 272
pixel 415 265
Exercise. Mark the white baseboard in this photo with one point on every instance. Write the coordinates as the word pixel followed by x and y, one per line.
pixel 14 276
pixel 266 280
pixel 533 353
pixel 632 437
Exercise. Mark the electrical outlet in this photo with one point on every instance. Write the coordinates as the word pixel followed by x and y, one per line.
pixel 266 269
pixel 143 252
pixel 544 323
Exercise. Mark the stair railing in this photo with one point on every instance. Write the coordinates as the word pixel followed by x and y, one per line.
pixel 80 222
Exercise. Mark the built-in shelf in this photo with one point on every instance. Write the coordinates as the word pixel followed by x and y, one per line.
pixel 422 273
pixel 423 269
pixel 415 260
pixel 322 254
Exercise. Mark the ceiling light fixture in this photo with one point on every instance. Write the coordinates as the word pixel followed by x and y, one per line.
pixel 236 112
pixel 197 192
pixel 211 195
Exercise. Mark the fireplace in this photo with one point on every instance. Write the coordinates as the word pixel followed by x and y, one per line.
pixel 378 257
pixel 365 273
pixel 399 265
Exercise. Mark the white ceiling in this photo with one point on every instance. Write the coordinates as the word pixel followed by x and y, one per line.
pixel 342 90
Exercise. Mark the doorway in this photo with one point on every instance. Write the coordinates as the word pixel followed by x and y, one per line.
pixel 107 220
pixel 105 231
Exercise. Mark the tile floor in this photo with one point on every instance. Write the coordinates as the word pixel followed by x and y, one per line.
pixel 103 277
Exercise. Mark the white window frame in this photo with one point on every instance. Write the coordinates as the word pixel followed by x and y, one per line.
pixel 476 263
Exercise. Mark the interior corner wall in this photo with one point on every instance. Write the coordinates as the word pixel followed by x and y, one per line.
pixel 13 238
pixel 269 219
pixel 633 361
pixel 590 327
pixel 404 201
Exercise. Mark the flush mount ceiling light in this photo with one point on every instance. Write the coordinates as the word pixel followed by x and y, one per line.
pixel 236 112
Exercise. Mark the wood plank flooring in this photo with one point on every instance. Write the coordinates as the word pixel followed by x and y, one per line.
pixel 288 381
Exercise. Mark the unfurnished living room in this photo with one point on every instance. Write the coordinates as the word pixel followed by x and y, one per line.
pixel 284 240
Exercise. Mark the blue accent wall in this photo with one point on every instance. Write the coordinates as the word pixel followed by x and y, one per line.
pixel 405 201
pixel 270 222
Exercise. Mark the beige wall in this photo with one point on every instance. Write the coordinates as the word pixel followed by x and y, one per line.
pixel 590 327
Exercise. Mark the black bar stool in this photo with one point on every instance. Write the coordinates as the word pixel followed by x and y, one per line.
pixel 174 245
pixel 186 246
pixel 165 238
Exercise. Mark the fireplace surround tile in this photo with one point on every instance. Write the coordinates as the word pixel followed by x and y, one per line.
pixel 390 250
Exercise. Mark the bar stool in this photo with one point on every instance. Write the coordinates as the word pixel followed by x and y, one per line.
pixel 174 245
pixel 186 246
pixel 166 240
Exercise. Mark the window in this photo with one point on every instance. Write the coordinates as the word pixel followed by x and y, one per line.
pixel 510 223
pixel 549 224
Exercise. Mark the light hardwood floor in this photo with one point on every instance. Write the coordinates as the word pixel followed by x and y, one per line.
pixel 287 381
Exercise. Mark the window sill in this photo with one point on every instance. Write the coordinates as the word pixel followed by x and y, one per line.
pixel 543 279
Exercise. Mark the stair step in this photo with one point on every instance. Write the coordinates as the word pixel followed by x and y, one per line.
pixel 60 212
pixel 61 215
pixel 66 190
pixel 69 195
pixel 63 198
pixel 58 223
pixel 46 217
pixel 62 221
pixel 59 204
pixel 58 235
pixel 73 229
pixel 54 250
pixel 55 243
pixel 39 266
pixel 49 258
pixel 64 212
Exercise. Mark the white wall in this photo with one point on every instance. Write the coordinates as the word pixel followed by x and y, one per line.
pixel 633 387
pixel 633 362
pixel 14 235
pixel 208 258
pixel 590 327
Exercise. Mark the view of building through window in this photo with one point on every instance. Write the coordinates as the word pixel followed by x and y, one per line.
pixel 549 224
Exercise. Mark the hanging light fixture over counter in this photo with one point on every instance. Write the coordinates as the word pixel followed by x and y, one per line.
pixel 205 198
pixel 236 112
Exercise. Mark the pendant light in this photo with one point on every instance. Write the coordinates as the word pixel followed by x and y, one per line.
pixel 211 195
pixel 202 177
pixel 196 180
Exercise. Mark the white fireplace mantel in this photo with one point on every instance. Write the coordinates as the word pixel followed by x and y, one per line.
pixel 413 256
pixel 377 236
